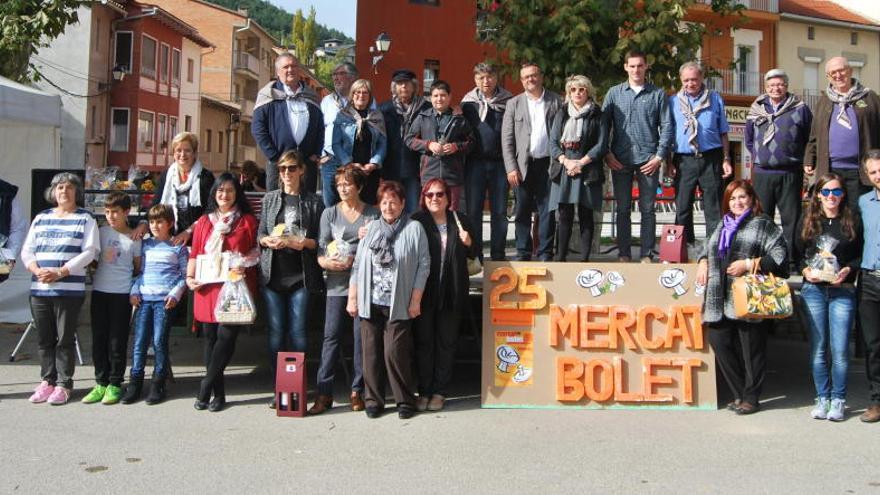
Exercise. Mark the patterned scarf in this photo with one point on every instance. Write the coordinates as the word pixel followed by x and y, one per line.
pixel 759 115
pixel 728 230
pixel 574 126
pixel 382 245
pixel 496 102
pixel 855 93
pixel 690 115
pixel 173 186
pixel 407 112
pixel 270 93
pixel 374 119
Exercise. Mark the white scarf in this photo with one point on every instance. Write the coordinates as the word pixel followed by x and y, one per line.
pixel 173 187
pixel 222 224
pixel 574 126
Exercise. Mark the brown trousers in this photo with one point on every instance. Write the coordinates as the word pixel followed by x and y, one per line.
pixel 388 352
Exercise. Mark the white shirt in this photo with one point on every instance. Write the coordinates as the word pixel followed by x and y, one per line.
pixel 330 106
pixel 299 115
pixel 636 89
pixel 116 263
pixel 18 227
pixel 538 141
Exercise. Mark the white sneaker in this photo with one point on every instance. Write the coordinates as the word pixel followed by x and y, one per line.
pixel 836 412
pixel 821 409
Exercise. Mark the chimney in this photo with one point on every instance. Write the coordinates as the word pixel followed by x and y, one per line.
pixel 243 12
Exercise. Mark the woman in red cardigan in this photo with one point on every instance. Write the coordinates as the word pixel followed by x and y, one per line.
pixel 228 225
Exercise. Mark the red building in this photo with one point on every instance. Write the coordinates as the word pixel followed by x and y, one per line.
pixel 145 105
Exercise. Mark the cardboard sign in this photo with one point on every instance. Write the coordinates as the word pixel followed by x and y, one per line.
pixel 594 335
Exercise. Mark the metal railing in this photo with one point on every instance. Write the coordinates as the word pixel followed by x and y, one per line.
pixel 736 82
pixel 811 97
pixel 246 61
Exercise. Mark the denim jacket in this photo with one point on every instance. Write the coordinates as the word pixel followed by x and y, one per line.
pixel 344 129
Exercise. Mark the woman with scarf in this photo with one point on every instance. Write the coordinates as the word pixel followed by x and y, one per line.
pixel 227 226
pixel 185 186
pixel 358 140
pixel 289 273
pixel 387 282
pixel 577 141
pixel 743 241
pixel 401 163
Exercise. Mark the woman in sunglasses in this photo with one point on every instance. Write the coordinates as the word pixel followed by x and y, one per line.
pixel 450 242
pixel 828 291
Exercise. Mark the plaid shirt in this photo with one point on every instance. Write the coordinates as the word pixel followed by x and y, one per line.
pixel 640 124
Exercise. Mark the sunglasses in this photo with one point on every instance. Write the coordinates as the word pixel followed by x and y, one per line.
pixel 284 169
pixel 438 195
pixel 828 192
pixel 577 90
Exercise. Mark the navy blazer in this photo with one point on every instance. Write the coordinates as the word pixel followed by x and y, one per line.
pixel 271 130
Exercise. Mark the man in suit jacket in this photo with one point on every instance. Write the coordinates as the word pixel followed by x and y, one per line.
pixel 287 115
pixel 525 147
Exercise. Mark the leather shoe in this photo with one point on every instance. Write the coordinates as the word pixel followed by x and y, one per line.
pixel 405 411
pixel 373 412
pixel 357 402
pixel 321 405
pixel 733 405
pixel 200 405
pixel 746 408
pixel 871 414
pixel 217 404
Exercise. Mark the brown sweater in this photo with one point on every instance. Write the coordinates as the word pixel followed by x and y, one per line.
pixel 869 127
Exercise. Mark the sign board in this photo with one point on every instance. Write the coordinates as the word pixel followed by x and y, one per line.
pixel 594 335
pixel 736 115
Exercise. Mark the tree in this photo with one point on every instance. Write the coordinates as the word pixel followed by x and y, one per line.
pixel 591 37
pixel 26 26
pixel 324 68
pixel 304 37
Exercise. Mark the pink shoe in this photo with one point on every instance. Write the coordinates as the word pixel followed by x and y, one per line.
pixel 60 396
pixel 42 392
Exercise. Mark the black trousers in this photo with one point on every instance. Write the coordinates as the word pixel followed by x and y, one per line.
pixel 388 354
pixel 219 348
pixel 869 314
pixel 741 354
pixel 55 320
pixel 111 325
pixel 565 225
pixel 436 333
pixel 705 171
pixel 853 185
pixel 781 191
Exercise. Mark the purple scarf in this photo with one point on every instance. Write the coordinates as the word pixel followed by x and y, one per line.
pixel 729 228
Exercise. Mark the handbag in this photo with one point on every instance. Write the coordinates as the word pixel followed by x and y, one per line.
pixel 473 264
pixel 757 296
pixel 555 171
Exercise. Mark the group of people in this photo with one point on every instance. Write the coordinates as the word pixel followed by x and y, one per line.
pixel 389 238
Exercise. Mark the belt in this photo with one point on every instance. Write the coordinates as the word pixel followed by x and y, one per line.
pixel 699 154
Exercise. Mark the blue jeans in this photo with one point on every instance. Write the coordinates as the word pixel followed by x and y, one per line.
pixel 831 311
pixel 286 317
pixel 337 321
pixel 151 313
pixel 622 181
pixel 485 173
pixel 328 184
pixel 533 194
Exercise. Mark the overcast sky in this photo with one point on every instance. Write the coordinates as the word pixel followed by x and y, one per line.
pixel 338 14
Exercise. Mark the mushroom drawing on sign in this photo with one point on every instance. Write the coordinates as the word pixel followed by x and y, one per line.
pixel 523 374
pixel 590 279
pixel 507 357
pixel 673 278
pixel 613 281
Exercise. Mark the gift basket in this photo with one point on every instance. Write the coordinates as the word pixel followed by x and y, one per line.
pixel 235 304
pixel 824 265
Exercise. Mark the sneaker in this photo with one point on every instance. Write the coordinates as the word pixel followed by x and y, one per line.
pixel 836 412
pixel 59 396
pixel 821 409
pixel 95 395
pixel 112 396
pixel 42 392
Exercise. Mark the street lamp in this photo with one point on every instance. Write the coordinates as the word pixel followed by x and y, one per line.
pixel 383 44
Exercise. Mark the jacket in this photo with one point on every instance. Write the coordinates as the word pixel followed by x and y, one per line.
pixel 312 207
pixel 400 161
pixel 344 129
pixel 594 139
pixel 517 128
pixel 449 291
pixel 271 125
pixel 447 167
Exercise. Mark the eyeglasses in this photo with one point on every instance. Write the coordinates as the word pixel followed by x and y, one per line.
pixel 438 195
pixel 577 90
pixel 828 192
pixel 284 169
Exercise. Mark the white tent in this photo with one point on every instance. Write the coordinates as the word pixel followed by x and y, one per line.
pixel 30 137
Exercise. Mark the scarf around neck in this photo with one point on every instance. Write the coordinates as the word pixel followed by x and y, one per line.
pixel 407 112
pixel 759 115
pixel 374 118
pixel 382 245
pixel 270 93
pixel 496 102
pixel 690 114
pixel 222 224
pixel 728 229
pixel 855 93
pixel 174 188
pixel 574 126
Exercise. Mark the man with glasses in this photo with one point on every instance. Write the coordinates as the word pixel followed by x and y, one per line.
pixel 777 130
pixel 636 113
pixel 845 127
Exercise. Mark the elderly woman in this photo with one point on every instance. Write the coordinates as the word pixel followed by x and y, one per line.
pixel 450 243
pixel 358 140
pixel 387 282
pixel 289 271
pixel 402 163
pixel 61 242
pixel 745 239
pixel 227 226
pixel 185 186
pixel 577 141
pixel 342 227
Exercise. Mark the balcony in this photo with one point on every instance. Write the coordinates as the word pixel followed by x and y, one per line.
pixel 246 64
pixel 735 82
pixel 247 107
pixel 763 5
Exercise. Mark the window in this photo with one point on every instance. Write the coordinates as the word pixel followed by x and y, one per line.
pixel 854 38
pixel 811 33
pixel 220 142
pixel 190 67
pixel 175 67
pixel 172 129
pixel 187 123
pixel 208 140
pixel 162 136
pixel 119 130
pixel 97 34
pixel 122 57
pixel 148 57
pixel 94 121
pixel 430 74
pixel 163 63
pixel 145 131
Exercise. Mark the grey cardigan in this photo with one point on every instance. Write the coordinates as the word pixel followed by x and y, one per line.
pixel 412 263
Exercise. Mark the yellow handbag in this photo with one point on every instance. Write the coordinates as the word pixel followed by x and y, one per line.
pixel 757 296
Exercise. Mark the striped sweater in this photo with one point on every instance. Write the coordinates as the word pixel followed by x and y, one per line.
pixel 56 241
pixel 163 272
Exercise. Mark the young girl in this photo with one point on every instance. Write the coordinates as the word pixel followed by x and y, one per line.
pixel 111 309
pixel 155 293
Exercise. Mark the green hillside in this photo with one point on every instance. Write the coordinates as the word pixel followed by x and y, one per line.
pixel 278 21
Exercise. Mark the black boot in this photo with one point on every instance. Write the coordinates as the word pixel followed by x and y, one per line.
pixel 133 390
pixel 219 402
pixel 203 397
pixel 157 391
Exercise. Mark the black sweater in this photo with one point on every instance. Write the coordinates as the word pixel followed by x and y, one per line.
pixel 848 251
